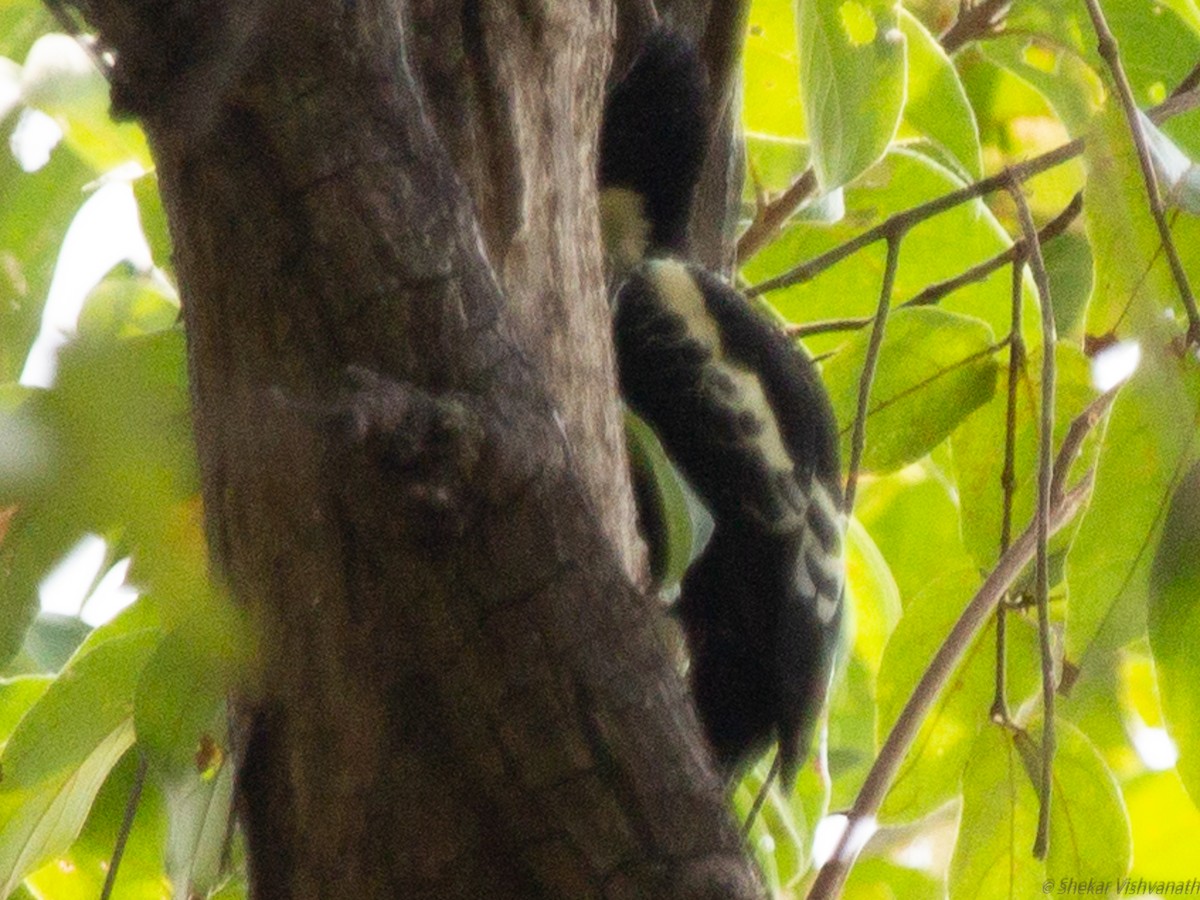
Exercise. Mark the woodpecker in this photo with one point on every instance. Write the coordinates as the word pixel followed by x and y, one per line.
pixel 741 412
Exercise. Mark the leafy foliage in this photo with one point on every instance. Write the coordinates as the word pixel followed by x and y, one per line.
pixel 861 91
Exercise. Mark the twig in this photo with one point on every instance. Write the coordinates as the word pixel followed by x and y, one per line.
pixel 908 218
pixel 1109 53
pixel 1190 81
pixel 1081 427
pixel 1017 250
pixel 1008 478
pixel 131 807
pixel 772 216
pixel 761 796
pixel 936 292
pixel 975 22
pixel 826 326
pixel 859 437
pixel 1045 479
pixel 891 755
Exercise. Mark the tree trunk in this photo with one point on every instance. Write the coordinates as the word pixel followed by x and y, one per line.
pixel 411 454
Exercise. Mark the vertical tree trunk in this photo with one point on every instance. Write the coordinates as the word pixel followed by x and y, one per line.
pixel 385 233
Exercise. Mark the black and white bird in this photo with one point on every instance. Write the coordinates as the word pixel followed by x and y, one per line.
pixel 741 412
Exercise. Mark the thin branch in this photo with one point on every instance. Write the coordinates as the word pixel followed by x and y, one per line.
pixel 906 219
pixel 1108 51
pixel 772 216
pixel 859 437
pixel 975 21
pixel 1081 427
pixel 936 292
pixel 131 808
pixel 1008 478
pixel 1189 83
pixel 826 326
pixel 761 796
pixel 1045 479
pixel 1017 250
pixel 832 875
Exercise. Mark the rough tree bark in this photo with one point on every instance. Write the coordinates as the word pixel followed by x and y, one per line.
pixel 386 242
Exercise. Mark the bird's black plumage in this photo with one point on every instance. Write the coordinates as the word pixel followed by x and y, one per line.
pixel 654 135
pixel 743 415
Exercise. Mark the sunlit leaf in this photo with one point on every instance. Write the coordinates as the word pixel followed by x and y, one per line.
pixel 1148 444
pixel 993 856
pixel 937 105
pixel 80 872
pixel 1133 284
pixel 852 65
pixel 1089 828
pixel 930 773
pixel 940 248
pixel 63 749
pixel 979 445
pixel 934 368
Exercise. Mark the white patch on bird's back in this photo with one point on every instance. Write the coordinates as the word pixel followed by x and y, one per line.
pixel 624 227
pixel 682 295
pixel 825 503
pixel 827 608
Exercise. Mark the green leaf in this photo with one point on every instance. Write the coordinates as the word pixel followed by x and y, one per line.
pixel 940 248
pixel 21 21
pixel 771 71
pixel 35 210
pixel 63 749
pixel 1068 261
pixel 1133 283
pixel 992 857
pixel 80 872
pixel 153 219
pixel 937 104
pixel 199 810
pixel 1149 443
pixel 1058 73
pixel 17 695
pixel 126 305
pixel 874 598
pixel 913 517
pixel 1174 623
pixel 662 504
pixel 180 699
pixel 852 67
pixel 53 638
pixel 1164 818
pixel 930 773
pixel 978 446
pixel 1089 828
pixel 934 368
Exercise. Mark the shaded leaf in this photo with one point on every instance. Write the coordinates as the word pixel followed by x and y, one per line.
pixel 1174 624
